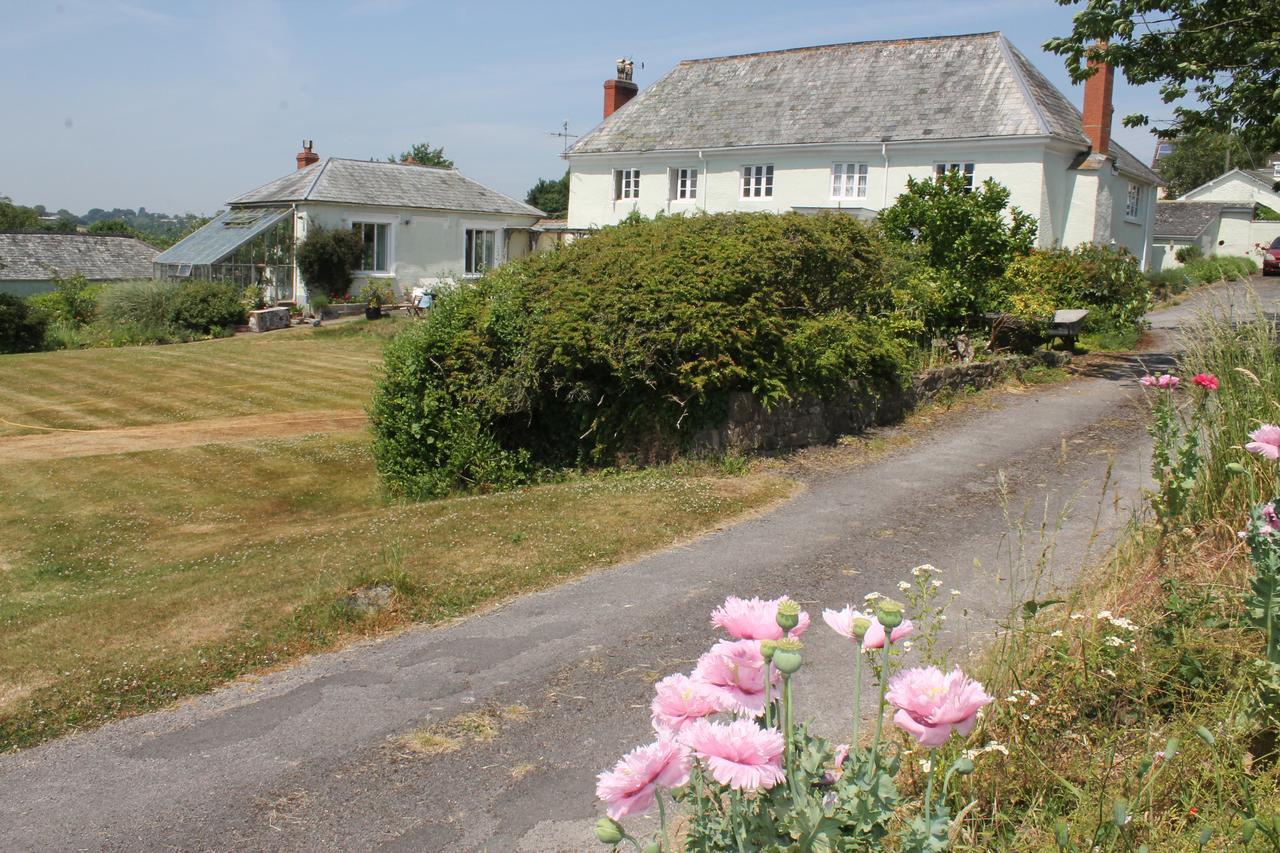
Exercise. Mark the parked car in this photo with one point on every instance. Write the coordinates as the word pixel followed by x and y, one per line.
pixel 1271 258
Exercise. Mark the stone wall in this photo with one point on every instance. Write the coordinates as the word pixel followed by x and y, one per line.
pixel 808 420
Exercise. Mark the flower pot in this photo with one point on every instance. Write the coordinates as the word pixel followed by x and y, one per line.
pixel 373 312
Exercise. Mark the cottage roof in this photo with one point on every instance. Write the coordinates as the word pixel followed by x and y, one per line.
pixel 97 257
pixel 1189 219
pixel 944 87
pixel 369 182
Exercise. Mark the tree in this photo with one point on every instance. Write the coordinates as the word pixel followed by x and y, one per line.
pixel 1224 52
pixel 423 154
pixel 551 197
pixel 113 226
pixel 326 258
pixel 15 217
pixel 965 232
pixel 1202 155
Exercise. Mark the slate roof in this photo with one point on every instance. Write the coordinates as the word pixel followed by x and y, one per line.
pixel 367 182
pixel 1188 219
pixel 37 257
pixel 943 87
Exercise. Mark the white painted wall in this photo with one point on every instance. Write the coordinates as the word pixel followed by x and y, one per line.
pixel 1072 207
pixel 1234 187
pixel 425 246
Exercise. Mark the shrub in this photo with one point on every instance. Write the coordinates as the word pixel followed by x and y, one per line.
pixel 207 306
pixel 623 344
pixel 967 233
pixel 21 329
pixel 146 302
pixel 1186 254
pixel 1105 281
pixel 326 258
pixel 73 300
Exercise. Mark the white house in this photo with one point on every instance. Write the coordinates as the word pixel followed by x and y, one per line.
pixel 1220 216
pixel 421 225
pixel 842 127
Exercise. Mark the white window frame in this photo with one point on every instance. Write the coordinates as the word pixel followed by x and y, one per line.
pixel 849 180
pixel 965 167
pixel 390 240
pixel 626 184
pixel 1133 202
pixel 468 268
pixel 684 184
pixel 757 181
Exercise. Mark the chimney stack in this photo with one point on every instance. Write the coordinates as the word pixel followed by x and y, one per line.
pixel 620 90
pixel 306 156
pixel 1097 105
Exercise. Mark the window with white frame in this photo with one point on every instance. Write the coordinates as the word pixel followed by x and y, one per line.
pixel 626 184
pixel 684 184
pixel 757 181
pixel 374 235
pixel 965 169
pixel 849 180
pixel 481 251
pixel 1133 202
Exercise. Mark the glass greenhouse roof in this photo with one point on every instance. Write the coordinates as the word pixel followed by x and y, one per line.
pixel 223 234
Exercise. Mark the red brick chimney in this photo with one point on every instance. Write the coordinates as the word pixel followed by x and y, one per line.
pixel 306 156
pixel 620 90
pixel 1097 105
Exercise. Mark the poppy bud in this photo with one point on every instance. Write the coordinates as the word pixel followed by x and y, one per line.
pixel 963 766
pixel 608 831
pixel 767 648
pixel 1235 468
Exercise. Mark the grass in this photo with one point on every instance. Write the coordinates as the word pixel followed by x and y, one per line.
pixel 299 370
pixel 129 581
pixel 1142 692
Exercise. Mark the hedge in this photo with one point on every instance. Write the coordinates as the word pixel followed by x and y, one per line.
pixel 622 345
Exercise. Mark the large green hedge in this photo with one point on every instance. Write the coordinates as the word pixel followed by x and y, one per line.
pixel 1108 282
pixel 622 345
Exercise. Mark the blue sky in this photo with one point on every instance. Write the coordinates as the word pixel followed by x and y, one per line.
pixel 178 106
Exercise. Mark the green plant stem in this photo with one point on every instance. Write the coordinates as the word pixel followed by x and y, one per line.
pixel 854 746
pixel 662 819
pixel 786 732
pixel 884 686
pixel 734 800
pixel 768 695
pixel 928 792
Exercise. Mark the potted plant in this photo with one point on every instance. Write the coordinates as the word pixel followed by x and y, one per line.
pixel 375 295
pixel 319 302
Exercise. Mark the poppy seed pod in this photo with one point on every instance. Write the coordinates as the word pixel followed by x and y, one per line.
pixel 963 766
pixel 889 612
pixel 860 625
pixel 788 614
pixel 767 648
pixel 786 656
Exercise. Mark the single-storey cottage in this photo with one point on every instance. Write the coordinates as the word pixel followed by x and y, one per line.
pixel 1225 216
pixel 29 262
pixel 421 225
pixel 842 127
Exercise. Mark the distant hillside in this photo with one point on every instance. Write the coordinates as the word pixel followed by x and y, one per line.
pixel 158 229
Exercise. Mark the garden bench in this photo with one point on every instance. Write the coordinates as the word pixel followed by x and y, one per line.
pixel 1067 324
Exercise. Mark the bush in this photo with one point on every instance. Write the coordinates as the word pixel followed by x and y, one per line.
pixel 146 302
pixel 21 329
pixel 967 233
pixel 1189 253
pixel 623 344
pixel 1216 268
pixel 1106 282
pixel 73 300
pixel 326 258
pixel 207 306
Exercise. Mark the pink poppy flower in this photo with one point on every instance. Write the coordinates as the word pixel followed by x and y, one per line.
pixel 680 700
pixel 629 788
pixel 1206 380
pixel 874 638
pixel 842 753
pixel 1266 441
pixel 932 705
pixel 754 619
pixel 1147 381
pixel 841 621
pixel 1169 381
pixel 1271 518
pixel 734 671
pixel 739 754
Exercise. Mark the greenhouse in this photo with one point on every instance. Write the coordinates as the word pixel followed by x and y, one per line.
pixel 244 245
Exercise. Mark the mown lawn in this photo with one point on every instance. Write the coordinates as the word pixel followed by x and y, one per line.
pixel 295 371
pixel 129 581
